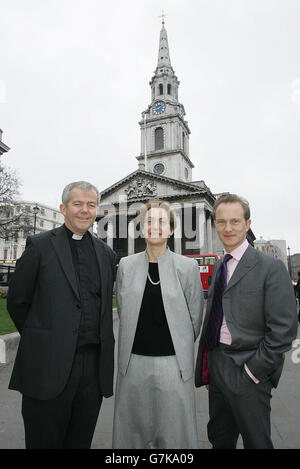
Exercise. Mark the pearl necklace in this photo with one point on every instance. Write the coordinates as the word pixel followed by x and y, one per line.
pixel 151 281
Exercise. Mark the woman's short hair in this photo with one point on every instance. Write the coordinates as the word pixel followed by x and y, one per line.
pixel 232 198
pixel 157 203
pixel 83 185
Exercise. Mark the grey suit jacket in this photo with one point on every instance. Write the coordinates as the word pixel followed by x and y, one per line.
pixel 182 298
pixel 260 312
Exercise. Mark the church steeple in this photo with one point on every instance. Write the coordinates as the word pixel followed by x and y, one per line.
pixel 164 82
pixel 163 51
pixel 164 132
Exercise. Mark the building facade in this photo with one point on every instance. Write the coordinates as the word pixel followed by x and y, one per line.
pixel 295 266
pixel 3 148
pixel 46 218
pixel 273 247
pixel 281 245
pixel 164 172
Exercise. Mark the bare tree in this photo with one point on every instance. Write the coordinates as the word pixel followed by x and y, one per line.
pixel 10 221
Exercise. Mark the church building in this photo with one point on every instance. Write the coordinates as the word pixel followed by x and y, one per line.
pixel 164 172
pixel 3 148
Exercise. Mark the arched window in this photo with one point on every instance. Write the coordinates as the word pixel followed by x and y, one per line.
pixel 161 89
pixel 159 138
pixel 169 89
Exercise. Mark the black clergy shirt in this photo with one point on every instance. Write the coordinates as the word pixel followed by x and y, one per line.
pixel 89 286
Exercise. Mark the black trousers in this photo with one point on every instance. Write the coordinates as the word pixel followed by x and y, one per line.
pixel 69 420
pixel 237 405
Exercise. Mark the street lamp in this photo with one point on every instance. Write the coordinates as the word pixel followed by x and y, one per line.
pixel 35 211
pixel 289 261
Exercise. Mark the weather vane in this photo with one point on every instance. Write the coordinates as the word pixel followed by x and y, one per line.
pixel 162 16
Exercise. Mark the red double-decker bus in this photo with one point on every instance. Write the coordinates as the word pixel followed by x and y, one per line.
pixel 206 263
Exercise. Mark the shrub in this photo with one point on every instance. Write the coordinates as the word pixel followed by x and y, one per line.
pixel 3 292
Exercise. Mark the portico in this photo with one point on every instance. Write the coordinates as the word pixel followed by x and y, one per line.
pixel 192 203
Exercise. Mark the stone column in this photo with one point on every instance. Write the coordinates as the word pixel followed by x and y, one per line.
pixel 110 233
pixel 131 237
pixel 209 234
pixel 178 229
pixel 217 245
pixel 202 228
pixel 188 146
pixel 167 132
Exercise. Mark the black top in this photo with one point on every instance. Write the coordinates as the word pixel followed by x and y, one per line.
pixel 152 336
pixel 89 286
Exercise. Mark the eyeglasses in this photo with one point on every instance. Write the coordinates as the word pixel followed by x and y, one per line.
pixel 235 222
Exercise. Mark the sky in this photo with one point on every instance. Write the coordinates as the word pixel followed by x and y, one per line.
pixel 74 80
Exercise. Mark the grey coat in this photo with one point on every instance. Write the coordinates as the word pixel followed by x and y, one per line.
pixel 260 312
pixel 182 298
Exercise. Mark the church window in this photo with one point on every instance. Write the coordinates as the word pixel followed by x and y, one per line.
pixel 169 88
pixel 161 89
pixel 183 141
pixel 159 138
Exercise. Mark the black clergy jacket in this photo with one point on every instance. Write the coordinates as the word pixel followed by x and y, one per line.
pixel 44 303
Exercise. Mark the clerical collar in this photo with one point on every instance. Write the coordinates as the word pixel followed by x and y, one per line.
pixel 77 237
pixel 72 235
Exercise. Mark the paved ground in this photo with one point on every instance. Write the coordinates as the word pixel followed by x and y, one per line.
pixel 285 411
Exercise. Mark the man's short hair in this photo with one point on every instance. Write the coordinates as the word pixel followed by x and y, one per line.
pixel 83 185
pixel 232 198
pixel 157 203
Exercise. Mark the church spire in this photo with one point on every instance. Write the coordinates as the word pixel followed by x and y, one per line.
pixel 164 83
pixel 163 51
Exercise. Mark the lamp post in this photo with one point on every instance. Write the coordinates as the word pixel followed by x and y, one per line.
pixel 289 261
pixel 35 211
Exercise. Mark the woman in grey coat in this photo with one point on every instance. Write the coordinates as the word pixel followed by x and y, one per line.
pixel 160 305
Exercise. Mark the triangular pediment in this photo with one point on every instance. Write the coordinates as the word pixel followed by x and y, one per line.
pixel 143 185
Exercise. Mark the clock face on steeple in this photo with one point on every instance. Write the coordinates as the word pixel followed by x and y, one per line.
pixel 159 107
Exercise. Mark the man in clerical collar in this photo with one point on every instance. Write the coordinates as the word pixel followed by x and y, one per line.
pixel 60 299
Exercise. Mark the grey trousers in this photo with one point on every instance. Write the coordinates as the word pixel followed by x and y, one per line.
pixel 154 407
pixel 237 405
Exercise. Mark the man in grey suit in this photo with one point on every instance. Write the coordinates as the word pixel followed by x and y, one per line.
pixel 250 323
